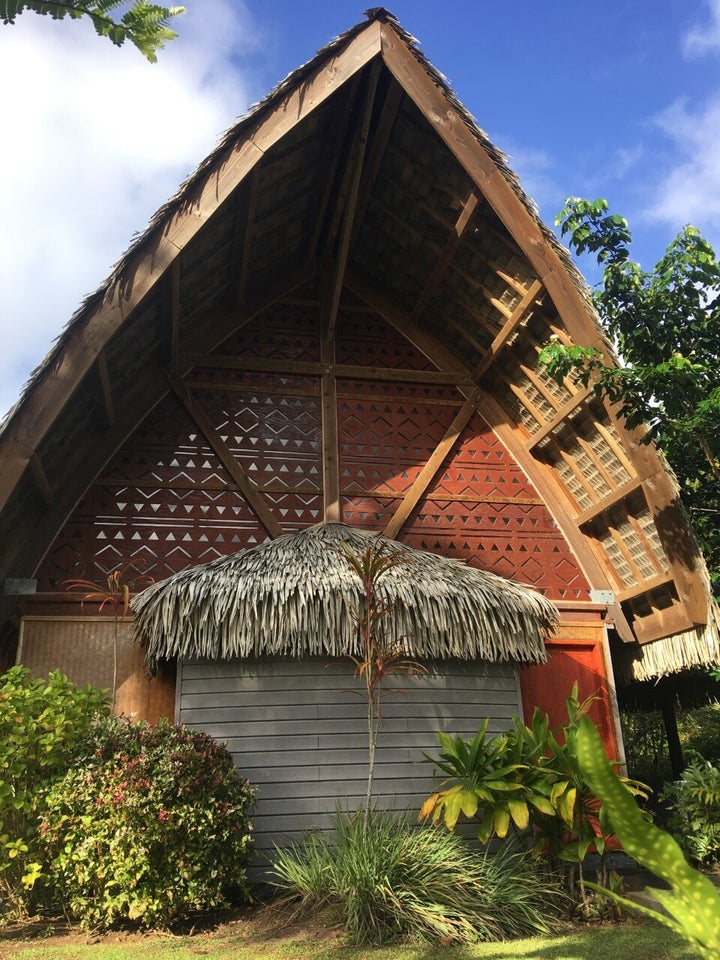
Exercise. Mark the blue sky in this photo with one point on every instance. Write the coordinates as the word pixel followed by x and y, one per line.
pixel 619 99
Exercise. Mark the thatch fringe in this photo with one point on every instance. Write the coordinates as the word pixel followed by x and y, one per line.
pixel 297 596
pixel 682 651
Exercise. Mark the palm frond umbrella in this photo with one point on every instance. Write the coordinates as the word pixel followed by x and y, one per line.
pixel 296 596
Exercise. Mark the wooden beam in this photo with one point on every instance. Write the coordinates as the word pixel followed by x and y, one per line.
pixel 41 480
pixel 662 623
pixel 632 486
pixel 245 485
pixel 106 389
pixel 509 328
pixel 334 149
pixel 568 408
pixel 373 161
pixel 170 315
pixel 460 227
pixel 216 325
pixel 645 586
pixel 430 346
pixel 330 443
pixel 309 368
pixel 242 243
pixel 349 204
pixel 426 476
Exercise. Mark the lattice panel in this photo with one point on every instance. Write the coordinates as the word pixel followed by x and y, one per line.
pixel 165 501
pixel 276 439
pixel 286 331
pixel 367 340
pixel 384 444
pixel 483 509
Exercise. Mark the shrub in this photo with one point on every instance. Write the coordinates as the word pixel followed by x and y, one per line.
pixel 153 827
pixel 43 729
pixel 386 878
pixel 527 779
pixel 695 812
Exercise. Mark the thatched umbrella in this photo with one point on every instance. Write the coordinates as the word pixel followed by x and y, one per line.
pixel 297 596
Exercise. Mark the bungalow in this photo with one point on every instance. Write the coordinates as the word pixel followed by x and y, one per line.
pixel 334 326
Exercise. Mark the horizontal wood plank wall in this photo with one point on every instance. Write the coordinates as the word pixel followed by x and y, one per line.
pixel 296 730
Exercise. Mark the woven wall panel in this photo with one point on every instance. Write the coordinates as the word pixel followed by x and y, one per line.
pixel 83 649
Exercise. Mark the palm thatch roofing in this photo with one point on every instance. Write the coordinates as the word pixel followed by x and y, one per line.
pixel 298 596
pixel 359 186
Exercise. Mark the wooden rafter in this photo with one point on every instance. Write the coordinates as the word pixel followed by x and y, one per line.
pixel 381 136
pixel 428 473
pixel 242 242
pixel 106 389
pixel 309 368
pixel 330 446
pixel 632 486
pixel 509 327
pixel 565 411
pixel 41 480
pixel 429 345
pixel 247 488
pixel 171 334
pixel 348 202
pixel 443 262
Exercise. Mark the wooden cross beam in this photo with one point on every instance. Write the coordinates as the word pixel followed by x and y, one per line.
pixel 245 485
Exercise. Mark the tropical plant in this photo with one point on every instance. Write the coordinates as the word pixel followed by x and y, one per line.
pixel 144 24
pixel 692 903
pixel 385 878
pixel 153 826
pixel 528 778
pixel 665 325
pixel 695 811
pixel 43 729
pixel 494 774
pixel 380 656
pixel 115 594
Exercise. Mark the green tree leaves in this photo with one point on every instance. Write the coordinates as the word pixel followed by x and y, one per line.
pixel 146 25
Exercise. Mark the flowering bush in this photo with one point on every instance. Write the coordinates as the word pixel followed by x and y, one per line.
pixel 153 827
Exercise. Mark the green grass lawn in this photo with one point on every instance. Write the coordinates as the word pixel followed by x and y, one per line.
pixel 243 941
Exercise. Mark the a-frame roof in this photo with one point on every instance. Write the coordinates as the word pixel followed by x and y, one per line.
pixel 362 179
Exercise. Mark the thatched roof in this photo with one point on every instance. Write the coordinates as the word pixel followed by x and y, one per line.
pixel 297 595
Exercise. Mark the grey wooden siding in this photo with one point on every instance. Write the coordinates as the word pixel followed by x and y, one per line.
pixel 296 729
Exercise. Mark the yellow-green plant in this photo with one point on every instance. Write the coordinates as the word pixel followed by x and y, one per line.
pixel 693 902
pixel 44 726
pixel 528 777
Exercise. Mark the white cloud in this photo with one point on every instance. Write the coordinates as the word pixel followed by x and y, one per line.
pixel 94 140
pixel 690 191
pixel 702 39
